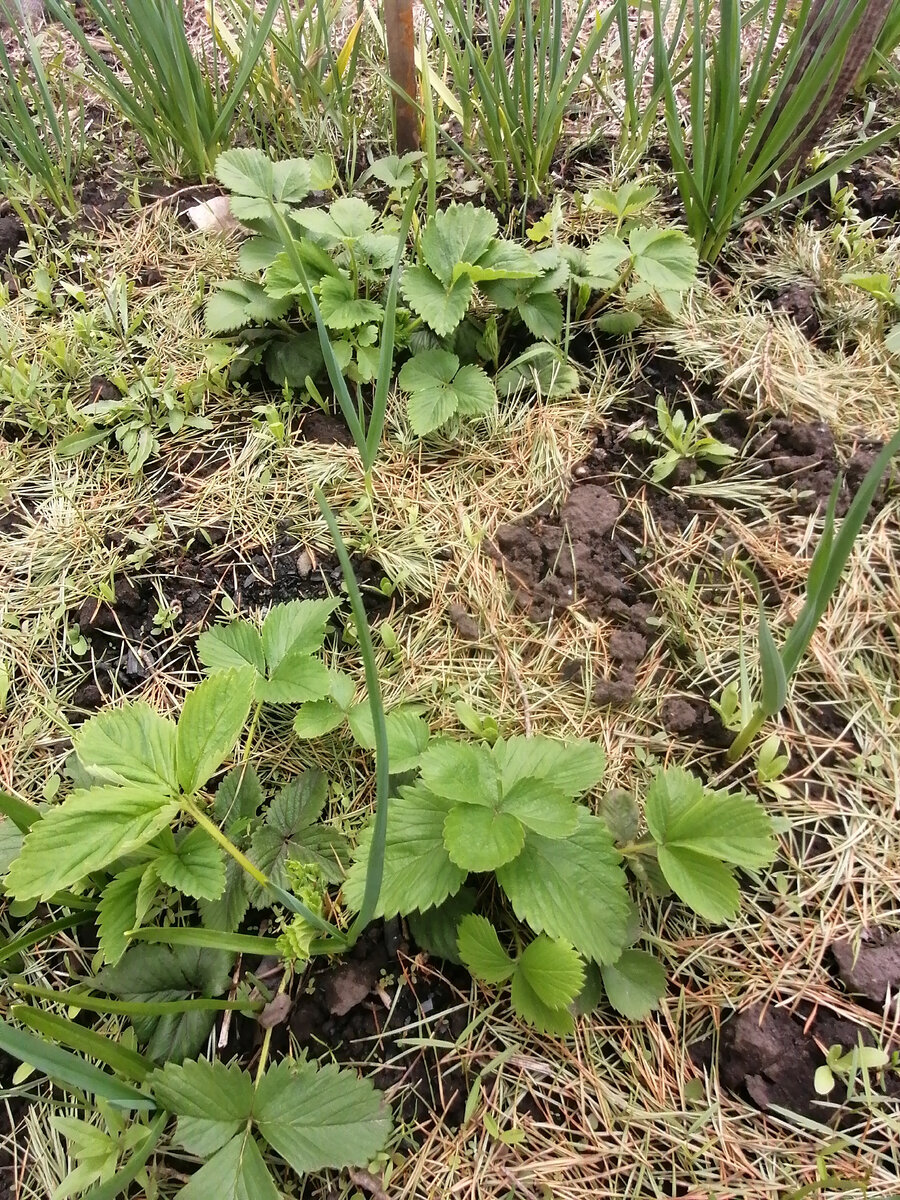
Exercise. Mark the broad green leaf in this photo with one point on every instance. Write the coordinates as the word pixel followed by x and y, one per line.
pixel 291 832
pixel 347 219
pixel 733 827
pixel 458 233
pixel 480 950
pixel 542 369
pixel 246 171
pixel 297 678
pixel 11 839
pixel 237 645
pixel 282 278
pixel 236 1172
pixel 463 771
pixel 295 628
pixel 635 983
pixel 239 796
pixel 606 258
pixel 572 889
pixel 118 912
pixel 541 807
pixel 158 972
pixel 257 253
pixel 318 717
pixel 553 970
pixel 482 839
pixel 69 1069
pixel 418 872
pixel 195 867
pixel 212 1101
pixel 227 912
pixel 704 884
pixel 441 308
pixel 663 258
pixel 528 1005
pixel 475 394
pixel 294 178
pixel 407 735
pixel 435 930
pixel 621 323
pixel 543 315
pixel 241 302
pixel 290 360
pixel 342 308
pixel 86 832
pixel 317 1118
pixel 892 340
pixel 620 811
pixel 572 767
pixel 132 744
pixel 211 720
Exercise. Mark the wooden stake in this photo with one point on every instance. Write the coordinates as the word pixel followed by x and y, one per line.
pixel 398 25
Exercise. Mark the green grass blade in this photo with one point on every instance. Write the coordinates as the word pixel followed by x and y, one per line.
pixel 126 1063
pixel 213 939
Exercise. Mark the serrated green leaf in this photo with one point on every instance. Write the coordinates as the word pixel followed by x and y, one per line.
pixel 342 308
pixel 572 889
pixel 620 811
pixel 475 394
pixel 464 771
pixel 730 826
pixel 295 628
pixel 318 717
pixel 606 258
pixel 663 258
pixel 239 796
pixel 543 315
pixel 290 833
pixel 317 1118
pixel 246 171
pixel 86 832
pixel 705 884
pixel 440 307
pixel 418 872
pixel 158 972
pixel 541 368
pixel 528 1005
pixel 236 645
pixel 573 767
pixel 480 950
pixel 297 678
pixel 211 1100
pixel 290 360
pixel 211 720
pixel 482 839
pixel 227 911
pixel 458 233
pixel 553 971
pixel 541 807
pixel 236 1172
pixel 241 302
pixel 435 930
pixel 407 735
pixel 195 866
pixel 132 744
pixel 117 912
pixel 634 984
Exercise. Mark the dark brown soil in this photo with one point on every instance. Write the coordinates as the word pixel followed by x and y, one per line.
pixel 12 234
pixel 770 1058
pixel 873 969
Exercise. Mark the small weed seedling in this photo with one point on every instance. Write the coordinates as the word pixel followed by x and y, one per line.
pixel 879 286
pixel 686 440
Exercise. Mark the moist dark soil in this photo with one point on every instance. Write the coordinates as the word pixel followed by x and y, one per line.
pixel 769 1057
pixel 361 1009
pixel 872 969
pixel 126 643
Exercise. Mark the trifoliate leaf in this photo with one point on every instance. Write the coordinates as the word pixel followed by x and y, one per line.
pixel 663 258
pixel 118 912
pixel 439 388
pixel 705 884
pixel 541 808
pixel 297 627
pixel 158 972
pixel 211 1101
pixel 435 930
pixel 236 1172
pixel 572 889
pixel 528 1005
pixel 320 1117
pixel 89 830
pixel 291 833
pixel 440 307
pixel 459 233
pixel 464 771
pixel 241 302
pixel 347 219
pixel 733 827
pixel 418 872
pixel 237 645
pixel 480 950
pixel 553 971
pixel 482 839
pixel 132 744
pixel 342 308
pixel 573 767
pixel 195 866
pixel 634 984
pixel 211 720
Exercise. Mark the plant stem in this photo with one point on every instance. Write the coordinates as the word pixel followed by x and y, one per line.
pixel 746 734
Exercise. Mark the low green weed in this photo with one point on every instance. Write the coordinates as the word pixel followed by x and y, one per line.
pixel 879 286
pixel 686 440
